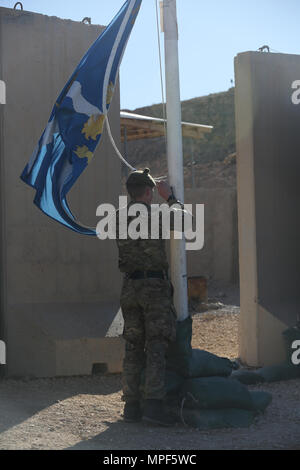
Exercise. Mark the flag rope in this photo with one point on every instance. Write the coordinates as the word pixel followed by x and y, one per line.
pixel 161 77
pixel 115 145
pixel 163 105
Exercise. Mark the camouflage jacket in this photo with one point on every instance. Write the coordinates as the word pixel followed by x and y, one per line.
pixel 143 254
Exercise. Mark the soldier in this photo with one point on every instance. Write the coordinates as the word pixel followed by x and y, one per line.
pixel 148 310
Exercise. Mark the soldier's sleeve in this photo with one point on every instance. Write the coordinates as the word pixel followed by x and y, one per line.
pixel 180 219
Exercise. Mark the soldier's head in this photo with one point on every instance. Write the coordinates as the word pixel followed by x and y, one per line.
pixel 140 186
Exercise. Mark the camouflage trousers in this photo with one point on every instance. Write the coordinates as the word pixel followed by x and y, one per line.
pixel 149 327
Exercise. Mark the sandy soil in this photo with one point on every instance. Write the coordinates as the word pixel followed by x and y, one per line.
pixel 85 412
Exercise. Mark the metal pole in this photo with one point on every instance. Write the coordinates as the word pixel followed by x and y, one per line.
pixel 174 151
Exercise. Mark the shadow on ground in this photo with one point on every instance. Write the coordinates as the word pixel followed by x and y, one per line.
pixel 22 399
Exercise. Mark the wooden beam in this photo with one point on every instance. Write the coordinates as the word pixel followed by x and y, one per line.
pixel 143 129
pixel 139 124
pixel 145 135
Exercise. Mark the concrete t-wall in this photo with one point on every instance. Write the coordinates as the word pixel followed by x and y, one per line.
pixel 59 290
pixel 218 260
pixel 268 148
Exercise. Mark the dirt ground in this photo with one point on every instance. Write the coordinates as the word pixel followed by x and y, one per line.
pixel 85 412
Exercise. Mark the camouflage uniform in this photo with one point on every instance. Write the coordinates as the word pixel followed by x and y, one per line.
pixel 149 326
pixel 149 316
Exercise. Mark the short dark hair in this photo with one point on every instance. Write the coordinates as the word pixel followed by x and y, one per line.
pixel 136 190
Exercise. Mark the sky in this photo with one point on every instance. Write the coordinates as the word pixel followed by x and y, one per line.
pixel 211 34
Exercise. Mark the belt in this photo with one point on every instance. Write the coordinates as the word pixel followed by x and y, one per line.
pixel 147 275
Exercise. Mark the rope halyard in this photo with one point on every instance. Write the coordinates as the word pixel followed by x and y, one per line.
pixel 162 178
pixel 189 394
pixel 115 146
pixel 161 76
pixel 181 411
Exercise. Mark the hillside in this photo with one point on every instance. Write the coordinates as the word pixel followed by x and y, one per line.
pixel 208 154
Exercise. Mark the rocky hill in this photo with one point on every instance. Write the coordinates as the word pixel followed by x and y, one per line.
pixel 210 155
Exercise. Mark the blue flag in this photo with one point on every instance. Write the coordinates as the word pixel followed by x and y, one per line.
pixel 76 124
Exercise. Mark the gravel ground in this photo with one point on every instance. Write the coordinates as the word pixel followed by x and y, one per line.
pixel 85 412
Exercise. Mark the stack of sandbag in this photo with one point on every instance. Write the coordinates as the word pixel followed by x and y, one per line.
pixel 201 390
pixel 284 371
pixel 217 402
pixel 188 362
pixel 269 374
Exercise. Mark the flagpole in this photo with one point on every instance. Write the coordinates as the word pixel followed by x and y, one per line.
pixel 174 151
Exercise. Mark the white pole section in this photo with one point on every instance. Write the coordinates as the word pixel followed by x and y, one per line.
pixel 174 151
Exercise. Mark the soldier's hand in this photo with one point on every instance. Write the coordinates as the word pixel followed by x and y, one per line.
pixel 164 190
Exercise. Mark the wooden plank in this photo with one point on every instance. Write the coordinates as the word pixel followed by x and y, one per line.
pixel 141 136
pixel 139 129
pixel 139 124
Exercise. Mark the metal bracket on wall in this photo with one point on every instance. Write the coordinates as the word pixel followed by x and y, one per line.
pixel 18 4
pixel 264 48
pixel 87 20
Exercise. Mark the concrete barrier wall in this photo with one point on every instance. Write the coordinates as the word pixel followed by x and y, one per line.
pixel 218 259
pixel 56 286
pixel 268 147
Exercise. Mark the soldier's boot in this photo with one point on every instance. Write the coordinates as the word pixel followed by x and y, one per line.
pixel 132 412
pixel 154 413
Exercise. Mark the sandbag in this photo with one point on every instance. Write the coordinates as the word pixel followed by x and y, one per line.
pixel 215 393
pixel 247 377
pixel 279 372
pixel 188 362
pixel 260 400
pixel 216 419
pixel 205 364
pixel 180 351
